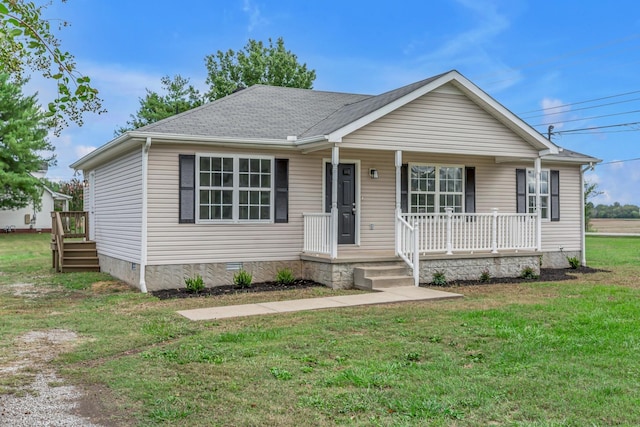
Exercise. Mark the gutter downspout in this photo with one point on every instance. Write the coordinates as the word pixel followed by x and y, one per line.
pixel 143 231
pixel 583 220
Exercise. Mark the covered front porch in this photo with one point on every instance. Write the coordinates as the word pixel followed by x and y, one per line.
pixel 425 241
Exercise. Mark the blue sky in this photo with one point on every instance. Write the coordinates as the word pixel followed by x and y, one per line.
pixel 527 54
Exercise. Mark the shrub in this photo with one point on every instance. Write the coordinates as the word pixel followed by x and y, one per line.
pixel 242 279
pixel 439 279
pixel 285 276
pixel 574 262
pixel 194 284
pixel 485 276
pixel 528 273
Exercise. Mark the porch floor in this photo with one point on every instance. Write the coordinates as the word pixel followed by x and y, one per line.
pixel 388 295
pixel 364 256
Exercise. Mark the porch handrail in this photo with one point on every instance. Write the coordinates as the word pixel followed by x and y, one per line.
pixel 407 247
pixel 469 232
pixel 57 238
pixel 318 238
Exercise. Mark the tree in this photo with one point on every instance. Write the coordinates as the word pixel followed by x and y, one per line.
pixel 179 96
pixel 590 191
pixel 75 189
pixel 256 64
pixel 23 132
pixel 26 41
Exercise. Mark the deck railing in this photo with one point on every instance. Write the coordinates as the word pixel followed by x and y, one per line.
pixel 449 232
pixel 317 233
pixel 72 224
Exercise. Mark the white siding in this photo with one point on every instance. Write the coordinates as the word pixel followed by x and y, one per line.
pixel 118 207
pixel 445 122
pixel 15 218
pixel 172 243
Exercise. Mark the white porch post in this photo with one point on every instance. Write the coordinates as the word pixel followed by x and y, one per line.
pixel 494 231
pixel 449 212
pixel 398 197
pixel 538 165
pixel 335 161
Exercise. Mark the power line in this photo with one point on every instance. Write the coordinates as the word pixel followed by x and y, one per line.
pixel 583 108
pixel 619 161
pixel 589 118
pixel 596 127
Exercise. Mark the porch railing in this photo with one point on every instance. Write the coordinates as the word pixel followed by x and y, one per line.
pixel 493 232
pixel 407 246
pixel 317 233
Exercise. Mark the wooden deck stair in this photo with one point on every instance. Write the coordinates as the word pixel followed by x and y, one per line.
pixel 80 256
pixel 377 277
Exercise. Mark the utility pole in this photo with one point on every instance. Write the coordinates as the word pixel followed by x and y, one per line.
pixel 549 131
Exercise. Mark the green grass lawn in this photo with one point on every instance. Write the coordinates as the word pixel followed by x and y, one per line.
pixel 534 354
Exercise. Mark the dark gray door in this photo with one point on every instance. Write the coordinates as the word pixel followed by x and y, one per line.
pixel 346 201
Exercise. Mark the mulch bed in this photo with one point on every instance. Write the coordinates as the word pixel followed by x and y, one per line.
pixel 232 289
pixel 546 275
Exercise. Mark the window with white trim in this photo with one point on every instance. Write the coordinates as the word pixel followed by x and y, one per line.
pixel 433 188
pixel 544 192
pixel 234 188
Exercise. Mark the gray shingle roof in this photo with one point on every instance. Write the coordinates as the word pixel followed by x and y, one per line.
pixel 272 112
pixel 257 112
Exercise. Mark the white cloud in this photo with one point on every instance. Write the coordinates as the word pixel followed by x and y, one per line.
pixel 255 16
pixel 83 150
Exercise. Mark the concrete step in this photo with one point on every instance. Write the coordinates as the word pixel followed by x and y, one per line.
pixel 381 277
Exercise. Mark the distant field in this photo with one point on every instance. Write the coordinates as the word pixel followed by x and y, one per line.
pixel 603 225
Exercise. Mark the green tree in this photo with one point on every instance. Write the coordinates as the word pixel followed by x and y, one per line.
pixel 590 191
pixel 75 189
pixel 255 64
pixel 26 41
pixel 23 132
pixel 178 96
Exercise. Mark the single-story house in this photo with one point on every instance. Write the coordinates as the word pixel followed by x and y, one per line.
pixel 30 219
pixel 432 176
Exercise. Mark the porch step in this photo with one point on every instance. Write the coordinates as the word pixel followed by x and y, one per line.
pixel 80 256
pixel 377 277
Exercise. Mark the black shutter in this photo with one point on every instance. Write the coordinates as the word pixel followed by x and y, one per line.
pixel 521 191
pixel 187 194
pixel 281 198
pixel 404 188
pixel 555 195
pixel 470 190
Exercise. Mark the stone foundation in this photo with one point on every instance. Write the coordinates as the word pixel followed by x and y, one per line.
pixel 559 259
pixel 215 274
pixel 126 271
pixel 472 266
pixel 337 274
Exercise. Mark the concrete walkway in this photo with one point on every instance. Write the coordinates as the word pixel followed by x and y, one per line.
pixel 387 295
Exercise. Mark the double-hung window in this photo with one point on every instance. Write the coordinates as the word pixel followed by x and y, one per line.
pixel 544 192
pixel 234 188
pixel 434 188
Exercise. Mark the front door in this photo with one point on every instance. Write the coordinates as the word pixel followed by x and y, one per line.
pixel 346 201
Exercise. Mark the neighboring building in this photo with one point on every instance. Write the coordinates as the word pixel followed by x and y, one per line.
pixel 247 182
pixel 30 219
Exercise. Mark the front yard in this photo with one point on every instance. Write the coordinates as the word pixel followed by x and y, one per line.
pixel 562 353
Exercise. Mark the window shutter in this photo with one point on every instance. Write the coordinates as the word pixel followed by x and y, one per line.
pixel 404 188
pixel 555 195
pixel 187 194
pixel 281 199
pixel 521 191
pixel 470 190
